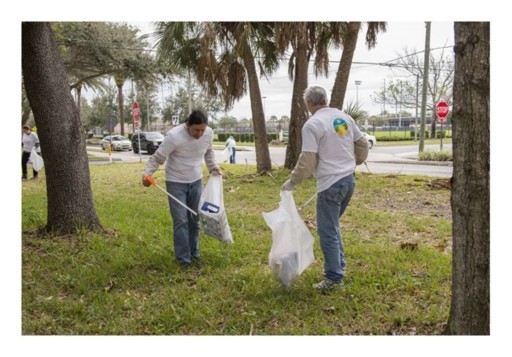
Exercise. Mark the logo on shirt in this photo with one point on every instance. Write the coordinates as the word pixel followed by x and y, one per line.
pixel 340 126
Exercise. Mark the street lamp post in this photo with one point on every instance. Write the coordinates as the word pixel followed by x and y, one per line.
pixel 358 83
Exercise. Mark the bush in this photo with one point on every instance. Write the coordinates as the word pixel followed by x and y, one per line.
pixel 431 155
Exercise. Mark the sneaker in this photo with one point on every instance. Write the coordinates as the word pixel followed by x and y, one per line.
pixel 327 285
pixel 23 179
pixel 34 178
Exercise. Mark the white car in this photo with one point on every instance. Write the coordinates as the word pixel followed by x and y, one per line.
pixel 371 139
pixel 119 143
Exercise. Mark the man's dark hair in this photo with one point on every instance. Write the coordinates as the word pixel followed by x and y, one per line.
pixel 197 117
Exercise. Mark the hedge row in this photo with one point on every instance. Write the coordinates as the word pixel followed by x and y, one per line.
pixel 245 137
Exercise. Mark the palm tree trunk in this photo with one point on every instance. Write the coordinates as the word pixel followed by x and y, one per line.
pixel 299 111
pixel 470 304
pixel 68 186
pixel 263 162
pixel 339 88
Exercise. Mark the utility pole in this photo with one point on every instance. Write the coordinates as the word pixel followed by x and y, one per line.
pixel 416 116
pixel 424 90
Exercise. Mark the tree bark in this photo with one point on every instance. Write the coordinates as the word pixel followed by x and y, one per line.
pixel 263 162
pixel 339 88
pixel 299 111
pixel 470 303
pixel 62 137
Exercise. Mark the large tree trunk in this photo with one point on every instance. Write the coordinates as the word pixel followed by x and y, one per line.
pixel 340 83
pixel 263 162
pixel 70 202
pixel 299 111
pixel 469 313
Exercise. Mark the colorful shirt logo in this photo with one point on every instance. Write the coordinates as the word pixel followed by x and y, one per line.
pixel 340 126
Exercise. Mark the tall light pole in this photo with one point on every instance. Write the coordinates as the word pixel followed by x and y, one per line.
pixel 358 83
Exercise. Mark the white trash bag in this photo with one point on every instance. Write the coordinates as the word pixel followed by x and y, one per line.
pixel 212 215
pixel 292 243
pixel 36 160
pixel 224 156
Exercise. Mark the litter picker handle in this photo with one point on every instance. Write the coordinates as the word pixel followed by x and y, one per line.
pixel 307 203
pixel 151 180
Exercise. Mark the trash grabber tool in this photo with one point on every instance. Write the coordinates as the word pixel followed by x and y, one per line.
pixel 367 167
pixel 307 203
pixel 153 183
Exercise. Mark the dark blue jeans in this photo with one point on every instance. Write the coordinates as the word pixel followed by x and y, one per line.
pixel 330 206
pixel 24 160
pixel 185 224
pixel 232 157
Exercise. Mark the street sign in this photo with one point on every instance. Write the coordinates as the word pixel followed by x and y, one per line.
pixel 136 114
pixel 442 110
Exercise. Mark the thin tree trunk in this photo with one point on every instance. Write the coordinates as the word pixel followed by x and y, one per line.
pixel 470 303
pixel 339 88
pixel 120 102
pixel 70 202
pixel 299 111
pixel 263 162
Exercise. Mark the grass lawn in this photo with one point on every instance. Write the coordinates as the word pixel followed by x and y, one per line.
pixel 125 281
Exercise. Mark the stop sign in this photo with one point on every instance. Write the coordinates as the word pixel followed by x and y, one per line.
pixel 136 114
pixel 442 110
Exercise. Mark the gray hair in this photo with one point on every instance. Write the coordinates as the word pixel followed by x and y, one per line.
pixel 316 95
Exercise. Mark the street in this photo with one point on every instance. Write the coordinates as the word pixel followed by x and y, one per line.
pixel 385 159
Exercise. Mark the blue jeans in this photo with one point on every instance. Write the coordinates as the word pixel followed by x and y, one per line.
pixel 185 224
pixel 330 206
pixel 232 157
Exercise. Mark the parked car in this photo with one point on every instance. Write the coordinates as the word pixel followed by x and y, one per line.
pixel 149 141
pixel 371 139
pixel 118 142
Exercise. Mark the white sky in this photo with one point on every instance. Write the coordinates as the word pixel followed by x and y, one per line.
pixel 393 11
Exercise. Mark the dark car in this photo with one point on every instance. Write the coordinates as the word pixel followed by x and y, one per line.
pixel 149 141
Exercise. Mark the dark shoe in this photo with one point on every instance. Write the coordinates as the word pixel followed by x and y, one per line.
pixel 34 178
pixel 328 285
pixel 184 266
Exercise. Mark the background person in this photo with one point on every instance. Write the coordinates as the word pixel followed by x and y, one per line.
pixel 183 150
pixel 28 142
pixel 332 145
pixel 231 145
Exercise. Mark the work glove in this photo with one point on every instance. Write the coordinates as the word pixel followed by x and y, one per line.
pixel 145 182
pixel 36 145
pixel 288 186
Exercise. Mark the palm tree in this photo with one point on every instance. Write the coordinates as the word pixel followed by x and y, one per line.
pixel 222 56
pixel 349 34
pixel 300 36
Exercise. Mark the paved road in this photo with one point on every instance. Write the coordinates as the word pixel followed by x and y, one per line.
pixel 385 159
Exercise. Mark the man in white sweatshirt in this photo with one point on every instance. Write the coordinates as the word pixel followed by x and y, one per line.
pixel 183 150
pixel 332 146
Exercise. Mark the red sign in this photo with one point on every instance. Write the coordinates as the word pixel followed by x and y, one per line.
pixel 442 110
pixel 136 114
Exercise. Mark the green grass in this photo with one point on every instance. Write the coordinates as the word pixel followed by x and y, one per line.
pixel 126 281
